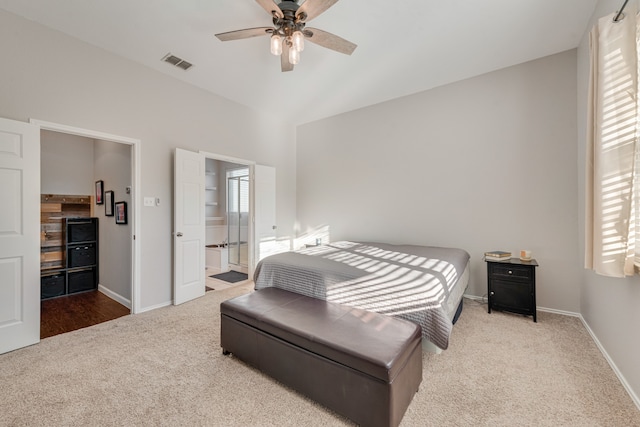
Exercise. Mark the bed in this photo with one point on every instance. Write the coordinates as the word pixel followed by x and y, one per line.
pixel 422 284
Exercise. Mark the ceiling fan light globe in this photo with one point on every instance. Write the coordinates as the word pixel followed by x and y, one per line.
pixel 276 44
pixel 294 56
pixel 298 41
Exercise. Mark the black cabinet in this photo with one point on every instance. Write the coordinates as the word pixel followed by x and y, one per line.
pixel 512 286
pixel 80 272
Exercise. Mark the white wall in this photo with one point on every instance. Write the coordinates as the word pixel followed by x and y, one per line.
pixel 66 164
pixel 113 167
pixel 56 78
pixel 611 307
pixel 488 163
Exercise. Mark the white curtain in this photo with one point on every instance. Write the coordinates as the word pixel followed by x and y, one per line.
pixel 611 146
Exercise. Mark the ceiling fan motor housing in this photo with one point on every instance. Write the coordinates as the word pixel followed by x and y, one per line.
pixel 289 23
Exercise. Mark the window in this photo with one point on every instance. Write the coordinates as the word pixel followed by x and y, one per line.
pixel 613 205
pixel 238 190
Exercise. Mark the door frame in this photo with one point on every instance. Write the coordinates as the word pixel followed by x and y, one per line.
pixel 251 165
pixel 135 194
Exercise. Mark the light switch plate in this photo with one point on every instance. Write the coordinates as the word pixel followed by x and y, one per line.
pixel 149 201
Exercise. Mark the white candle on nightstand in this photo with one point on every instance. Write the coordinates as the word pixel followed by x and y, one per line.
pixel 525 255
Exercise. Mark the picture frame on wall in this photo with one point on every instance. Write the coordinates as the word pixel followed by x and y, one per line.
pixel 99 192
pixel 108 203
pixel 121 212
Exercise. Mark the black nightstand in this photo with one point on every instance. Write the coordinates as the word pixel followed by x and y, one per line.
pixel 512 286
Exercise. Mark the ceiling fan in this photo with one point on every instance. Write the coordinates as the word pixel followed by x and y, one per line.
pixel 289 33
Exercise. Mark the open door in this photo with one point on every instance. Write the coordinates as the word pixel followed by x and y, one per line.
pixel 189 230
pixel 265 212
pixel 19 235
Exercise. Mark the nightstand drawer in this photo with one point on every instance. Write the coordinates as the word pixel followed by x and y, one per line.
pixel 510 271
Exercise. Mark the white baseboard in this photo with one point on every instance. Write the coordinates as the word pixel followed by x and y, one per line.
pixel 474 298
pixel 562 312
pixel 548 310
pixel 127 303
pixel 621 377
pixel 114 296
pixel 153 307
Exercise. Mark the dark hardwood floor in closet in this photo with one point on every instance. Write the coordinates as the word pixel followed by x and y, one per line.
pixel 68 313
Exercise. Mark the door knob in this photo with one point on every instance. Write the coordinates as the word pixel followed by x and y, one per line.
pixel 179 234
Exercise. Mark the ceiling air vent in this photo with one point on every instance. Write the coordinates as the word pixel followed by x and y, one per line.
pixel 178 62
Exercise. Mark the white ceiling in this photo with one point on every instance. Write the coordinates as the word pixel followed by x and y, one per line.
pixel 404 46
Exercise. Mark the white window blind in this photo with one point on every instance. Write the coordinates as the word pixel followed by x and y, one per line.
pixel 238 190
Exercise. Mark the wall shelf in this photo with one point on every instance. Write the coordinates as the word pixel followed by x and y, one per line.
pixel 54 208
pixel 211 186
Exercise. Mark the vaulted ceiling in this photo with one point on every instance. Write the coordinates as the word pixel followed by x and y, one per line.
pixel 404 47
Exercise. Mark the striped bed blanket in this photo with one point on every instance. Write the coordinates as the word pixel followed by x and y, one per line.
pixel 422 284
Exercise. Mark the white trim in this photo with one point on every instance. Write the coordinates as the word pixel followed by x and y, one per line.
pixel 153 307
pixel 474 298
pixel 114 296
pixel 545 309
pixel 621 377
pixel 562 312
pixel 136 175
pixel 136 197
pixel 83 132
pixel 251 259
pixel 229 159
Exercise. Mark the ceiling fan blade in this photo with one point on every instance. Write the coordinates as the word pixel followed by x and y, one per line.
pixel 314 8
pixel 244 34
pixel 330 41
pixel 284 59
pixel 271 7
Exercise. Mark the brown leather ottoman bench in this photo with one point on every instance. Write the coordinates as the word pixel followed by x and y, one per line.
pixel 363 365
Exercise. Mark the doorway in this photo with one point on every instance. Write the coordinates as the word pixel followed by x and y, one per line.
pixel 115 163
pixel 227 212
pixel 86 270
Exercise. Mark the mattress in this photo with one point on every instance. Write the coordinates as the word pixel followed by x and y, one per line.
pixel 422 284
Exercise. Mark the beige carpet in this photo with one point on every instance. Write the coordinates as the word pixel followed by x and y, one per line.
pixel 165 368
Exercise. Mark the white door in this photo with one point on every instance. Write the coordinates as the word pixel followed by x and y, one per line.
pixel 265 212
pixel 19 235
pixel 189 230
